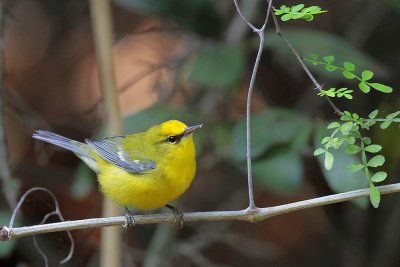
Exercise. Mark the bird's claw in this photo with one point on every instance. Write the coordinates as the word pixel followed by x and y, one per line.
pixel 129 220
pixel 178 216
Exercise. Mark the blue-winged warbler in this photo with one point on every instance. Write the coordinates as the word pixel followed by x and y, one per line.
pixel 145 170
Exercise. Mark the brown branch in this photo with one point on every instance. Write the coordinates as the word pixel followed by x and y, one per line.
pixel 300 61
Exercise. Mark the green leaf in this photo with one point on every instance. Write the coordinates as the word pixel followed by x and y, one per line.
pixel 298 15
pixel 277 126
pixel 297 7
pixel 329 59
pixel 364 87
pixel 351 140
pixel 328 162
pixel 281 173
pixel 354 167
pixel 349 75
pixel 373 148
pixel 370 123
pixel 346 118
pixel 286 17
pixel 356 135
pixel 325 139
pixel 332 142
pixel 314 56
pixel 379 177
pixel 381 87
pixel 319 151
pixel 349 66
pixel 392 115
pixel 313 9
pixel 346 127
pixel 374 196
pixel 376 161
pixel 330 68
pixel 334 124
pixel 228 60
pixel 308 17
pixel 385 124
pixel 338 144
pixel 330 93
pixel 353 149
pixel 348 96
pixel 373 114
pixel 366 75
pixel 366 140
pixel 301 138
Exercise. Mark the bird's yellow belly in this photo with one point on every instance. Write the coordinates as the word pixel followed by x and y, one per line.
pixel 146 191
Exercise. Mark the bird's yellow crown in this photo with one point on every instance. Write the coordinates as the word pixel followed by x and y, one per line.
pixel 171 127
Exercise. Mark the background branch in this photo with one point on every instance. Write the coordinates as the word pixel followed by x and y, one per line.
pixel 300 61
pixel 110 250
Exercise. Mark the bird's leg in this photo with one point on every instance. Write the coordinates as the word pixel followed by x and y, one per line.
pixel 178 216
pixel 129 220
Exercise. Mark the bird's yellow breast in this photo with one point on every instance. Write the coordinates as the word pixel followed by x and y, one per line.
pixel 155 188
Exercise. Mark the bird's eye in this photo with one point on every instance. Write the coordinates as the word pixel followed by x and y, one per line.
pixel 172 139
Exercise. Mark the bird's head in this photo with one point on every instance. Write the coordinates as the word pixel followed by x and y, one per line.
pixel 174 136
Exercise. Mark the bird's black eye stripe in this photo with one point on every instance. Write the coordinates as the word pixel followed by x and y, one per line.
pixel 174 139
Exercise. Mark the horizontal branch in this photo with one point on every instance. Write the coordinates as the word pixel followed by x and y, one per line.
pixel 257 215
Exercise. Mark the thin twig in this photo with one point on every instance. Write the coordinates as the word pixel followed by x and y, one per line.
pixel 300 60
pixel 56 212
pixel 257 215
pixel 236 30
pixel 260 33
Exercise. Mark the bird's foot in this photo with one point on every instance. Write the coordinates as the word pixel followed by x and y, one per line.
pixel 178 216
pixel 129 220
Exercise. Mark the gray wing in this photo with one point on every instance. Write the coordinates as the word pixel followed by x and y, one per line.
pixel 110 149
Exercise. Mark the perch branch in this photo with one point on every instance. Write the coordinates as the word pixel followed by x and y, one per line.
pixel 257 215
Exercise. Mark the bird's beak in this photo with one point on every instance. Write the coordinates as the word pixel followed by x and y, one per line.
pixel 189 130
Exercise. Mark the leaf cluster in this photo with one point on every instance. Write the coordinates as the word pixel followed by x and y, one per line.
pixel 298 12
pixel 332 92
pixel 348 72
pixel 348 132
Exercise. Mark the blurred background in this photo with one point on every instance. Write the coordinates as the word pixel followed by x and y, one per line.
pixel 192 61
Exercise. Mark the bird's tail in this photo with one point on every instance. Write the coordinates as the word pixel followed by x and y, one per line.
pixel 83 151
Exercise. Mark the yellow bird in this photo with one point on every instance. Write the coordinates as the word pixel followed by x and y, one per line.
pixel 146 170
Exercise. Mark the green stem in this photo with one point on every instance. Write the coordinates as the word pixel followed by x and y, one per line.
pixel 394 120
pixel 326 64
pixel 295 13
pixel 364 160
